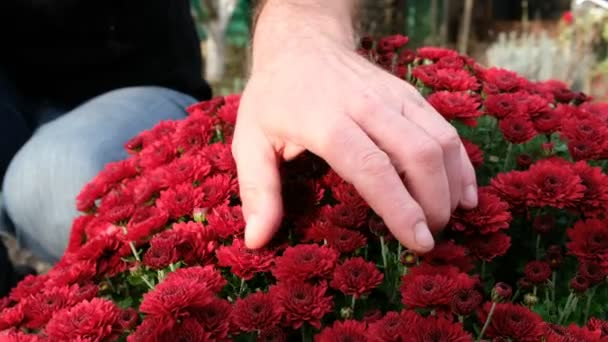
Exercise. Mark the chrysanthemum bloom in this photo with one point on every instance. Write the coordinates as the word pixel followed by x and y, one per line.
pixel 356 277
pixel 589 241
pixel 244 262
pixel 392 326
pixel 466 301
pixel 512 322
pixel 303 262
pixel 256 312
pixel 302 303
pixel 537 272
pixel 343 331
pixel 439 329
pixel 489 246
pixel 95 320
pixel 490 216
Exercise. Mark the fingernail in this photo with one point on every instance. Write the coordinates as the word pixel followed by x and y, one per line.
pixel 470 195
pixel 423 236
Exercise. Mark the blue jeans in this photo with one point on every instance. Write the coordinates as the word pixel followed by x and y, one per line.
pixel 66 150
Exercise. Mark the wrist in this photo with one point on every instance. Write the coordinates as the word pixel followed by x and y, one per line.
pixel 302 26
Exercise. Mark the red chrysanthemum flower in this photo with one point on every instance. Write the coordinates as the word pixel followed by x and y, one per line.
pixel 343 331
pixel 511 187
pixel 179 200
pixel 597 324
pixel 161 253
pixel 274 334
pixel 425 287
pixel 175 298
pixel 547 122
pixel 466 301
pixel 128 319
pixel 30 285
pixel 344 240
pixel 226 221
pixel 186 169
pixel 356 277
pixel 188 330
pixel 304 262
pixel 228 112
pixel 456 105
pixel 345 215
pixel 11 317
pixel 215 318
pixel 427 74
pixel 391 43
pixel 451 62
pixel 39 308
pixel 489 246
pixel 455 80
pixel 449 254
pixel 517 129
pixel 346 193
pixel 205 275
pixel 501 105
pixel 435 53
pixel 593 272
pixel 220 157
pixel 504 80
pixel 490 216
pixel 589 242
pixel 537 272
pixel 216 190
pixel 244 262
pixel 474 153
pixel 256 312
pixel 302 303
pixel 193 132
pixel 439 329
pixel 158 153
pixel 552 184
pixel 513 322
pixel 393 326
pixel 595 196
pixel 144 222
pixel 571 333
pixel 95 320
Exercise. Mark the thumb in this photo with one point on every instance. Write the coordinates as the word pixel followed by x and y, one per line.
pixel 259 186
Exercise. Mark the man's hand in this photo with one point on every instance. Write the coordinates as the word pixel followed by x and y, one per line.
pixel 310 90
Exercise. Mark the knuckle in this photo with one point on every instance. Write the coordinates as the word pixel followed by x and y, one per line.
pixel 331 136
pixel 373 162
pixel 449 139
pixel 366 107
pixel 429 154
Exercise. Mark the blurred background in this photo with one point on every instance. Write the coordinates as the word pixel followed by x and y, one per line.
pixel 541 39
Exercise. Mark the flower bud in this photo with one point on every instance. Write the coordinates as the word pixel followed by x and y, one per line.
pixel 524 160
pixel 346 312
pixel 501 292
pixel 198 214
pixel 530 299
pixel 579 284
pixel 409 259
pixel 554 256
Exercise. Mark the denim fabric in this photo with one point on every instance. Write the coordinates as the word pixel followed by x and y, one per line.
pixel 67 150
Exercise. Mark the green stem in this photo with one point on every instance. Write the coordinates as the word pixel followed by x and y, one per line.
pixel 566 308
pixel 134 251
pixel 383 251
pixel 487 323
pixel 553 287
pixel 537 246
pixel 507 157
pixel 483 270
pixel 172 267
pixel 242 287
pixel 590 295
pixel 305 333
pixel 352 303
pixel 515 295
pixel 147 281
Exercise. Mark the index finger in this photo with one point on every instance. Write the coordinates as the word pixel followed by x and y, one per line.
pixel 357 159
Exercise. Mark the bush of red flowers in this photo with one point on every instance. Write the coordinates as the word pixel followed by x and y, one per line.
pixel 158 253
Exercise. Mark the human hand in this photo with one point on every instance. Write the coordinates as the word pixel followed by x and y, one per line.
pixel 375 130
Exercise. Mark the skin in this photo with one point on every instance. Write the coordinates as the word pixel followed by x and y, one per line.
pixel 310 90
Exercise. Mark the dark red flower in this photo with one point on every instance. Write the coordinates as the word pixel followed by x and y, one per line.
pixel 391 43
pixel 501 292
pixel 226 221
pixel 502 105
pixel 593 272
pixel 489 246
pixel 244 262
pixel 595 196
pixel 274 334
pixel 161 253
pixel 435 53
pixel 356 277
pixel 392 327
pixel 256 312
pixel 552 184
pixel 304 262
pixel 346 193
pixel 432 286
pixel 30 285
pixel 466 301
pixel 215 318
pixel 474 153
pixel 204 275
pixel 589 242
pixel 186 169
pixel 455 105
pixel 571 333
pixel 579 284
pixel 95 320
pixel 228 112
pixel 427 74
pixel 448 253
pixel 596 324
pixel 344 240
pixel 128 319
pixel 547 122
pixel 504 80
pixel 513 322
pixel 343 331
pixel 179 200
pixel 537 272
pixel 176 298
pixel 77 233
pixel 544 224
pixel 302 303
pixel 193 132
pixel 188 330
pixel 216 190
pixel 439 329
pixel 345 215
pixel 511 186
pixel 144 222
pixel 524 160
pixel 451 62
pixel 11 317
pixel 490 216
pixel 158 153
pixel 220 157
pixel 39 308
pixel 517 129
pixel 455 80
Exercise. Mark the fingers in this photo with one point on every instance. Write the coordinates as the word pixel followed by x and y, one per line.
pixel 259 184
pixel 417 157
pixel 426 117
pixel 355 157
pixel 469 182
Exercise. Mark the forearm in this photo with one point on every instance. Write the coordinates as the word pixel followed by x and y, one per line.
pixel 292 24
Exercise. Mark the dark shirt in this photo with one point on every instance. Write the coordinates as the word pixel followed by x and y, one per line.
pixel 72 50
